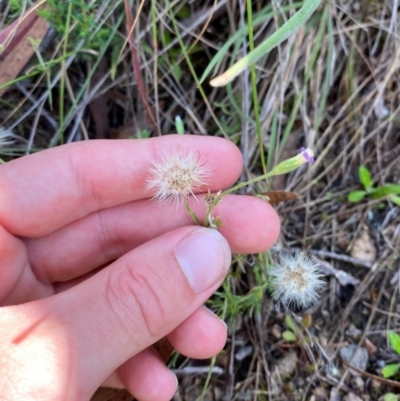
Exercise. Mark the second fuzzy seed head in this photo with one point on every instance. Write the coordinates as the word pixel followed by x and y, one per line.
pixel 296 280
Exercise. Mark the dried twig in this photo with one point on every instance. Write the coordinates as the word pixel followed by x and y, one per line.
pixel 136 66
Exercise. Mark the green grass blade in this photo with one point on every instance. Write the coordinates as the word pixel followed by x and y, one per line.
pixel 240 34
pixel 394 340
pixel 254 90
pixel 289 27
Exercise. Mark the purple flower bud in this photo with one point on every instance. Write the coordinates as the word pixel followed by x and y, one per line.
pixel 308 154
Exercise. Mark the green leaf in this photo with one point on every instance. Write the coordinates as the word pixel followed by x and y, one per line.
pixel 365 177
pixel 394 340
pixel 381 192
pixel 356 196
pixel 390 397
pixel 390 370
pixel 395 199
pixel 289 336
pixel 307 320
pixel 392 188
pixel 180 129
pixel 290 323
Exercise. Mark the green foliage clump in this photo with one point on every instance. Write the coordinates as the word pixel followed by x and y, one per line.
pixel 392 369
pixel 75 20
pixel 391 191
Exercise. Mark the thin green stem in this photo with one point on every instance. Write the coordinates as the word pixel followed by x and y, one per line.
pixel 191 214
pixel 254 87
pixel 192 70
pixel 220 195
pixel 63 70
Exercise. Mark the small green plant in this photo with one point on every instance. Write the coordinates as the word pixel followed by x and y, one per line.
pixel 391 191
pixel 292 335
pixel 390 397
pixel 393 368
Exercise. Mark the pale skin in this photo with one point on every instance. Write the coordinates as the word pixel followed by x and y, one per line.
pixel 89 277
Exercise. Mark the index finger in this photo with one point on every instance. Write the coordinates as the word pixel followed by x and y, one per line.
pixel 44 191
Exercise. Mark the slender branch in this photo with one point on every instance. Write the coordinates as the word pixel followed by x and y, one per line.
pixel 136 67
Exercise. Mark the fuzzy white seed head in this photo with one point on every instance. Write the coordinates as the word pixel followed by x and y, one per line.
pixel 177 175
pixel 296 280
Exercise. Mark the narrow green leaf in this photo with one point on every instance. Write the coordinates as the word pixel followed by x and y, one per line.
pixel 179 125
pixel 379 192
pixel 365 177
pixel 289 336
pixel 393 188
pixel 287 29
pixel 290 323
pixel 390 370
pixel 238 36
pixel 395 199
pixel 394 340
pixel 356 196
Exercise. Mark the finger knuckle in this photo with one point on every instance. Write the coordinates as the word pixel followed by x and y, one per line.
pixel 139 301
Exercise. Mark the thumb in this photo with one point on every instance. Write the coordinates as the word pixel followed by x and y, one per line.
pixel 142 297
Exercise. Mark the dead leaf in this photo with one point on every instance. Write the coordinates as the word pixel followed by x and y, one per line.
pixel 12 34
pixel 275 197
pixel 98 107
pixel 363 248
pixel 124 132
pixel 22 49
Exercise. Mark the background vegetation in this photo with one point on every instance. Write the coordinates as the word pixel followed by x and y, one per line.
pixel 112 69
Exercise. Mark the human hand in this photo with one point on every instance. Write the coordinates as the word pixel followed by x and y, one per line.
pixel 89 271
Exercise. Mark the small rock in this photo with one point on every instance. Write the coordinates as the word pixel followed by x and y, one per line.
pixel 334 395
pixel 287 364
pixel 359 360
pixel 321 392
pixel 363 248
pixel 376 384
pixel 351 397
pixel 357 382
pixel 276 331
pixel 353 332
pixel 243 352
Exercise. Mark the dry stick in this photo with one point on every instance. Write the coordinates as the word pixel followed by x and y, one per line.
pixel 343 258
pixel 230 373
pixel 136 67
pixel 262 352
pixel 372 315
pixel 371 376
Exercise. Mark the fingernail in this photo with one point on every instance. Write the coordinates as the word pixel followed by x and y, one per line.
pixel 176 381
pixel 215 317
pixel 204 257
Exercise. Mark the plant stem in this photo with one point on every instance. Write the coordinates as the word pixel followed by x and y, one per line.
pixel 254 87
